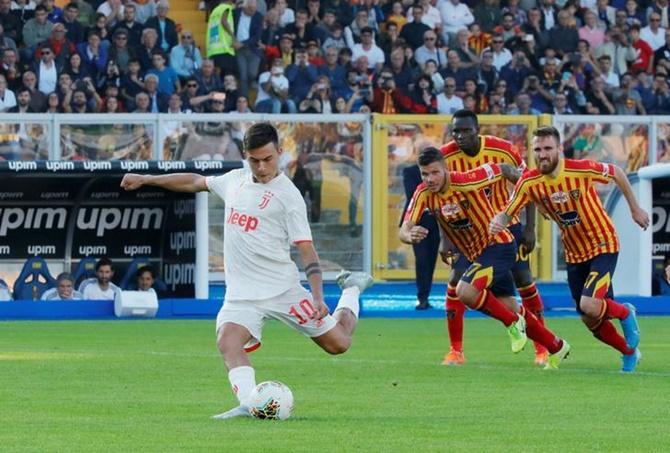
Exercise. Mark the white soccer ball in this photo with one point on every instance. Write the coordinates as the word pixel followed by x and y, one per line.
pixel 271 400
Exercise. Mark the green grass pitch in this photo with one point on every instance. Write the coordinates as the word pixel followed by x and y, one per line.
pixel 152 386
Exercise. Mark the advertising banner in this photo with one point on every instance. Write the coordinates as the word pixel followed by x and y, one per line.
pixel 71 210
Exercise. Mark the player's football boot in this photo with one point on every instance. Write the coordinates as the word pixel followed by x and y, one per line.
pixel 347 279
pixel 630 361
pixel 239 411
pixel 554 360
pixel 631 329
pixel 454 358
pixel 541 357
pixel 517 335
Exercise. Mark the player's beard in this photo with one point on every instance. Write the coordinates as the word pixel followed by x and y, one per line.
pixel 547 165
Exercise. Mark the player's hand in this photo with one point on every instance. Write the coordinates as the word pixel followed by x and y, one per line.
pixel 321 309
pixel 640 217
pixel 418 234
pixel 528 240
pixel 496 225
pixel 132 181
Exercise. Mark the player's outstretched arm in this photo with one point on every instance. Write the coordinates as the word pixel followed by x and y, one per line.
pixel 310 260
pixel 639 215
pixel 448 251
pixel 177 182
pixel 510 172
pixel 411 233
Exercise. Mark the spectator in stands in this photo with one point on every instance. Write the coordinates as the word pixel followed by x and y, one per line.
pixel 455 70
pixel 23 95
pixel 10 22
pixel 469 59
pixel 158 99
pixel 389 39
pixel 501 54
pixel 344 57
pixel 86 15
pixel 662 55
pixel 142 103
pixel 375 13
pixel 301 75
pixel 448 102
pixel 111 77
pixel 335 73
pixel 38 100
pixel 644 53
pixel 661 283
pixel 560 105
pixel 46 70
pixel 100 26
pixel 317 99
pixel 248 28
pixel 314 13
pixel 606 14
pixel 301 32
pixel 429 51
pixel 653 34
pixel 286 14
pixel 610 78
pixel 627 100
pixel 64 289
pixel 618 48
pixel 111 105
pixel 5 41
pixel 564 35
pixel 242 105
pixel 423 96
pixel 149 45
pixel 456 16
pixel 517 12
pixel 549 12
pixel 431 15
pixel 326 27
pixel 402 74
pixel 367 48
pixel 74 67
pixel 145 277
pixel 590 32
pixel 120 52
pixel 93 55
pixel 7 97
pixel 488 15
pixel 132 82
pixel 191 97
pixel 508 29
pixel 54 13
pixel 164 26
pixel 271 31
pixel 231 92
pixel 168 80
pixel 659 101
pixel 634 15
pixel 273 90
pixel 35 31
pixel 144 9
pixel 414 31
pixel 208 79
pixel 523 105
pixel 132 27
pixel 487 75
pixel 397 15
pixel 75 31
pixel 61 47
pixel 432 71
pixel 112 10
pixel 102 288
pixel 343 10
pixel 535 27
pixel 84 98
pixel 10 69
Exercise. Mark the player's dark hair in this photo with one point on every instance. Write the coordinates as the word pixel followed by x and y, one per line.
pixel 259 135
pixel 64 276
pixel 143 269
pixel 104 261
pixel 547 131
pixel 429 155
pixel 463 113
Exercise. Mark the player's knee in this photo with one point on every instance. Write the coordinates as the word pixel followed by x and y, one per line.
pixel 467 294
pixel 590 307
pixel 339 346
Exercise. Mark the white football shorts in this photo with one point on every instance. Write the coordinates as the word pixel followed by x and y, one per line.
pixel 294 308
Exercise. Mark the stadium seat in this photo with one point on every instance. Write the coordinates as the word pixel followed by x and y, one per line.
pixel 85 269
pixel 33 280
pixel 129 282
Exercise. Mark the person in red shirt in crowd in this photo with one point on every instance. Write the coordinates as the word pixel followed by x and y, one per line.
pixel 644 52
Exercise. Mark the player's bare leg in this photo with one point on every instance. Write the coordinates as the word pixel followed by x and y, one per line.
pixel 230 341
pixel 455 310
pixel 338 339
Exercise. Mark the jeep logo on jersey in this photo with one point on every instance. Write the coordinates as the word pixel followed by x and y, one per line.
pixel 570 218
pixel 246 222
pixel 460 224
pixel 559 197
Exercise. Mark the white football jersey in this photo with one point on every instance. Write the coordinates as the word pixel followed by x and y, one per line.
pixel 262 221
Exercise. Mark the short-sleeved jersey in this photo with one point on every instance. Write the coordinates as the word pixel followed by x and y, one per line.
pixel 493 150
pixel 463 210
pixel 573 203
pixel 262 221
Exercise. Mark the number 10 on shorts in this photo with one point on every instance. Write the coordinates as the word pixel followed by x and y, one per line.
pixel 303 311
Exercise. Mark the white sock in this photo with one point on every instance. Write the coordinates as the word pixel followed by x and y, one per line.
pixel 242 380
pixel 349 299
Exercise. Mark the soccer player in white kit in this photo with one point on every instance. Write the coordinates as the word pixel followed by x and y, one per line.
pixel 265 214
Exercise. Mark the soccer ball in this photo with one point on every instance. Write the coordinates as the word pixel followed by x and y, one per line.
pixel 271 400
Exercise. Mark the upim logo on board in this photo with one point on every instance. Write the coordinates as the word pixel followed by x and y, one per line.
pixel 106 219
pixel 132 250
pixel 178 274
pixel 41 250
pixel 31 218
pixel 182 240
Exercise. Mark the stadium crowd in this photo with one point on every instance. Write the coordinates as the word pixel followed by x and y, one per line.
pixel 335 56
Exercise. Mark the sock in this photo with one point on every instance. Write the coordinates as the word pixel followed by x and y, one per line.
pixel 349 299
pixel 615 309
pixel 242 380
pixel 455 315
pixel 532 302
pixel 489 305
pixel 540 334
pixel 607 333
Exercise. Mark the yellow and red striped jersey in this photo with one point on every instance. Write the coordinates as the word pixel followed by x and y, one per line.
pixel 573 203
pixel 462 210
pixel 493 150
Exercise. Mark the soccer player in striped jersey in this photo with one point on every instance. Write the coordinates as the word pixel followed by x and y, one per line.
pixel 564 189
pixel 470 150
pixel 463 211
